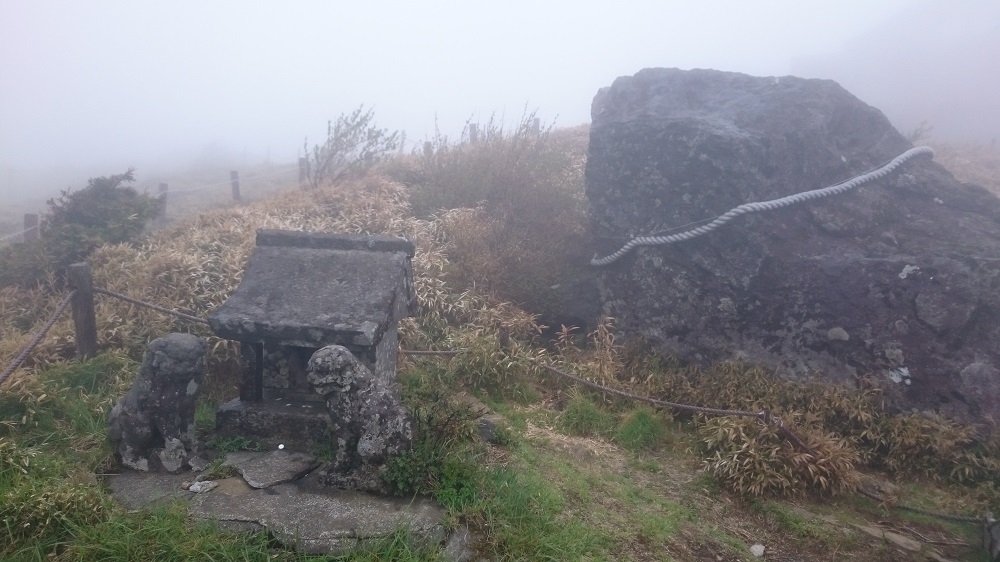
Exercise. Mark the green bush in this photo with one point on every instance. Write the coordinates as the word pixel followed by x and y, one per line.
pixel 76 223
pixel 439 462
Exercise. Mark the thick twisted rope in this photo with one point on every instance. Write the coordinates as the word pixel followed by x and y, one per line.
pixel 37 339
pixel 765 206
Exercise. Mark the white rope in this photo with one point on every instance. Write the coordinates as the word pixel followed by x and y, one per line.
pixel 244 181
pixel 765 206
pixel 9 236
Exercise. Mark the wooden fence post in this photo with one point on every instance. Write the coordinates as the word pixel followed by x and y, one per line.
pixel 428 149
pixel 303 164
pixel 84 321
pixel 536 125
pixel 30 227
pixel 161 216
pixel 473 133
pixel 234 178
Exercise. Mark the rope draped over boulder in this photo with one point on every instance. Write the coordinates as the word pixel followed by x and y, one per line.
pixel 765 206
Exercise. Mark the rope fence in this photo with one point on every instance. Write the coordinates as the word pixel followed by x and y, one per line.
pixel 152 306
pixel 282 172
pixel 12 235
pixel 21 357
pixel 764 206
pixel 81 297
pixel 763 416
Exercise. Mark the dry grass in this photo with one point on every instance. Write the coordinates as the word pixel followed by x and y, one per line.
pixel 971 162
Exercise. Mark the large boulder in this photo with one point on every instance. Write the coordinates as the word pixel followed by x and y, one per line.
pixel 897 279
pixel 152 427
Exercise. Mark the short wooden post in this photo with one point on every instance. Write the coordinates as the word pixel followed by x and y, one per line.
pixel 84 321
pixel 473 133
pixel 428 149
pixel 234 179
pixel 536 125
pixel 161 216
pixel 30 227
pixel 303 166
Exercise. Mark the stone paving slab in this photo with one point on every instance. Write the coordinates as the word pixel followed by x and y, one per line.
pixel 263 470
pixel 304 513
pixel 319 523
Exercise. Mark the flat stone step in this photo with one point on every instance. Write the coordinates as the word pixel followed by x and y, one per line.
pixel 303 514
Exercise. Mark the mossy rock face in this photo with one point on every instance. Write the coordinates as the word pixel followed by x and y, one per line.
pixel 874 280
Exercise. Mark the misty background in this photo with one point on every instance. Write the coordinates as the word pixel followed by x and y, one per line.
pixel 93 88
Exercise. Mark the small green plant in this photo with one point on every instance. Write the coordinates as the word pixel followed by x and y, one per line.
pixel 217 470
pixel 582 417
pixel 641 428
pixel 204 415
pixel 440 461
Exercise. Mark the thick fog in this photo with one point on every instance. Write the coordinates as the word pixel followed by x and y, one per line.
pixel 92 88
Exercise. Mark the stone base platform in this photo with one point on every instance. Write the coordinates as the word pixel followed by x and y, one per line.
pixel 302 513
pixel 296 424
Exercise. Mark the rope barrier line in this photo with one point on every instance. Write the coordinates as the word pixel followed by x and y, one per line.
pixel 229 181
pixel 765 206
pixel 37 339
pixel 430 352
pixel 149 305
pixel 938 514
pixel 764 416
pixel 12 235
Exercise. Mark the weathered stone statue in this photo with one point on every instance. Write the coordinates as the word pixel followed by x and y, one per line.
pixel 152 426
pixel 368 420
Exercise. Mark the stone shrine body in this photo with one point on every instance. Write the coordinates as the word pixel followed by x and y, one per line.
pixel 302 291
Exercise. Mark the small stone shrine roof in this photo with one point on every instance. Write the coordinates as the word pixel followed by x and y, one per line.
pixel 315 289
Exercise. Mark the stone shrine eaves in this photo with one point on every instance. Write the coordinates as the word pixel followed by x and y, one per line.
pixel 315 289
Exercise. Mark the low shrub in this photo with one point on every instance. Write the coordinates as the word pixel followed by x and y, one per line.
pixel 512 205
pixel 75 224
pixel 440 462
pixel 754 459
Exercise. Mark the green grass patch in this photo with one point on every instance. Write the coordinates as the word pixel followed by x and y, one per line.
pixel 584 418
pixel 524 516
pixel 640 429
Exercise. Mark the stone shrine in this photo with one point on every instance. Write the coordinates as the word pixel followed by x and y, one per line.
pixel 303 291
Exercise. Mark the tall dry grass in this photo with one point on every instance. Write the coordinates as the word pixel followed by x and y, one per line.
pixel 977 163
pixel 512 205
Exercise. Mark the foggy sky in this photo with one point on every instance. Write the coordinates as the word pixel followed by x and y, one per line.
pixel 103 85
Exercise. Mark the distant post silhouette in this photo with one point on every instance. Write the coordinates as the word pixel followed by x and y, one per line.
pixel 161 216
pixel 234 178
